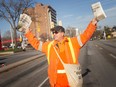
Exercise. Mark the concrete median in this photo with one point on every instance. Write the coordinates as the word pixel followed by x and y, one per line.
pixel 13 65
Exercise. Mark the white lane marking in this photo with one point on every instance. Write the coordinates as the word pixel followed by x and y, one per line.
pixel 96 45
pixel 113 56
pixel 101 48
pixel 39 70
pixel 43 82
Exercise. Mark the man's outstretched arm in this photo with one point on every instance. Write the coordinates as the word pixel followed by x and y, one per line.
pixel 86 35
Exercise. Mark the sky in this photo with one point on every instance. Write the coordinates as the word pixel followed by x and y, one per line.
pixel 76 13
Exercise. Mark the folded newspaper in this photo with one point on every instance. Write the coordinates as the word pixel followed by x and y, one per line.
pixel 98 11
pixel 24 22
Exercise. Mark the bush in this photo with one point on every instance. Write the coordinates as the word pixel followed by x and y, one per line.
pixel 10 49
pixel 17 50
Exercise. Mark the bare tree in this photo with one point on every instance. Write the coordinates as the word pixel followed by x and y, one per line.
pixel 10 11
pixel 43 37
pixel 6 35
pixel 70 31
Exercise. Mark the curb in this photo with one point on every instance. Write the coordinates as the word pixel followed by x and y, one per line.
pixel 13 65
pixel 3 53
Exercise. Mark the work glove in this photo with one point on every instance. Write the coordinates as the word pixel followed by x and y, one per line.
pixel 24 23
pixel 94 21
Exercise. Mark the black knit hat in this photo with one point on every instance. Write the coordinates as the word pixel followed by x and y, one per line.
pixel 58 29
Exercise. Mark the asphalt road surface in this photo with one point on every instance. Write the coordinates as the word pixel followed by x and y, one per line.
pixel 100 58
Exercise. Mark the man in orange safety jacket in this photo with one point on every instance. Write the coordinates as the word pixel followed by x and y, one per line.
pixel 67 48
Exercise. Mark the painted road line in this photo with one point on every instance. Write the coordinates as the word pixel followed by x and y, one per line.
pixel 36 72
pixel 100 48
pixel 96 45
pixel 112 56
pixel 43 82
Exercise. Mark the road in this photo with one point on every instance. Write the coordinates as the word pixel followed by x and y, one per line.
pixel 97 56
pixel 100 58
pixel 8 59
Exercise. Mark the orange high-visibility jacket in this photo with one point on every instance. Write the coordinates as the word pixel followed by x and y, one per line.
pixel 63 50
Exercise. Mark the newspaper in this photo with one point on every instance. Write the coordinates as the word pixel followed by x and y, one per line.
pixel 24 22
pixel 98 11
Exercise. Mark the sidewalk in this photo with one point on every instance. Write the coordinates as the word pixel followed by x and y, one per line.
pixel 6 53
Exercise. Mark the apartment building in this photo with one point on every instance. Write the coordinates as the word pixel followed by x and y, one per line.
pixel 43 18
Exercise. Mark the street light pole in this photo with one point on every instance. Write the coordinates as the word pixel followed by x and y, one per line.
pixel 0 41
pixel 12 44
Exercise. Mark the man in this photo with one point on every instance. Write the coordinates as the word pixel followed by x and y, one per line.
pixel 66 48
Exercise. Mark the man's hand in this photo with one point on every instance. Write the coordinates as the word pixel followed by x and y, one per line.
pixel 94 21
pixel 24 23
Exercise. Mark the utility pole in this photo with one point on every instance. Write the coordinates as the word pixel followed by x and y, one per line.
pixel 104 35
pixel 12 44
pixel 0 41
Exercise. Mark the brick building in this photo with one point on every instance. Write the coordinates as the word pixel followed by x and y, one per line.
pixel 43 18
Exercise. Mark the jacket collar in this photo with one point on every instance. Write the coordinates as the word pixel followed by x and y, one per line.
pixel 62 42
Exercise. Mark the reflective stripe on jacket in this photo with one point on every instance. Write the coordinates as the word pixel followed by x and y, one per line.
pixel 63 50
